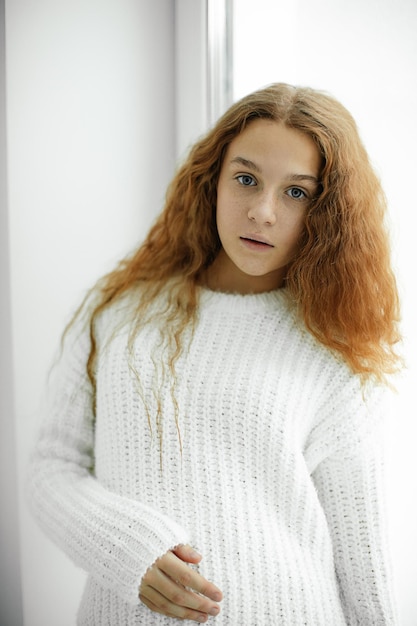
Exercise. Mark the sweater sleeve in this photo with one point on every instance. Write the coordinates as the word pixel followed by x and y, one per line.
pixel 350 483
pixel 112 537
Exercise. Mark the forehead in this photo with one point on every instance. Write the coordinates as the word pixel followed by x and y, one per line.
pixel 266 141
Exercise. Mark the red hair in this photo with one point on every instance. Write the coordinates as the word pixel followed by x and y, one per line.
pixel 341 280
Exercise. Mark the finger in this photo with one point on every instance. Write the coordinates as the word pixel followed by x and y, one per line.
pixel 179 595
pixel 158 603
pixel 187 577
pixel 187 553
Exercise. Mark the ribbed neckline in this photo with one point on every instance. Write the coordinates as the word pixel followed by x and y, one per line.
pixel 269 300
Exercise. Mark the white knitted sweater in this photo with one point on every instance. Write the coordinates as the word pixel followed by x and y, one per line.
pixel 278 485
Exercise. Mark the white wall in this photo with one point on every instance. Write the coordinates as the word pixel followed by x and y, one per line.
pixel 191 107
pixel 90 97
pixel 365 53
pixel 10 587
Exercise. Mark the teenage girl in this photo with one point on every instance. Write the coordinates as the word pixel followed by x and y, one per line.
pixel 211 449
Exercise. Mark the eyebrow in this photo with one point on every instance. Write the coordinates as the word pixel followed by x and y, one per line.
pixel 300 177
pixel 247 163
pixel 293 177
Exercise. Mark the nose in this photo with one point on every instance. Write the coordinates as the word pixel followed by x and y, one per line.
pixel 263 210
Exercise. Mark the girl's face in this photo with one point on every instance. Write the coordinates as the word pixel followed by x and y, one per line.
pixel 268 179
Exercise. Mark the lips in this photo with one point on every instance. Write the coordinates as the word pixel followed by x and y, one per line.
pixel 256 240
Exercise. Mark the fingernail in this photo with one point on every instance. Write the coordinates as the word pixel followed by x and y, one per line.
pixel 194 554
pixel 214 611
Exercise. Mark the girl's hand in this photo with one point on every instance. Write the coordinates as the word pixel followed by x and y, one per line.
pixel 172 588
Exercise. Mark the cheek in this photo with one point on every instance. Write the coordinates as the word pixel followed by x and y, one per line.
pixel 292 234
pixel 298 234
pixel 224 228
pixel 293 224
pixel 226 212
pixel 299 227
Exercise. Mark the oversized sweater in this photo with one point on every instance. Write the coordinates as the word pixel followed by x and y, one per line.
pixel 278 484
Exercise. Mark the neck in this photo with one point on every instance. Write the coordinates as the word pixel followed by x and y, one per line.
pixel 223 275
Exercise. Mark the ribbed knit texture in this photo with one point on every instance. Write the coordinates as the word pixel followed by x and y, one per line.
pixel 279 484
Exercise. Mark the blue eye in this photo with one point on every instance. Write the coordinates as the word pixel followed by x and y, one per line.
pixel 296 193
pixel 246 180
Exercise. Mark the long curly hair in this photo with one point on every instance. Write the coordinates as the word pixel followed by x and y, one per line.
pixel 341 279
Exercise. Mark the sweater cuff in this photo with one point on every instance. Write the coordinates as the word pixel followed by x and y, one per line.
pixel 113 538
